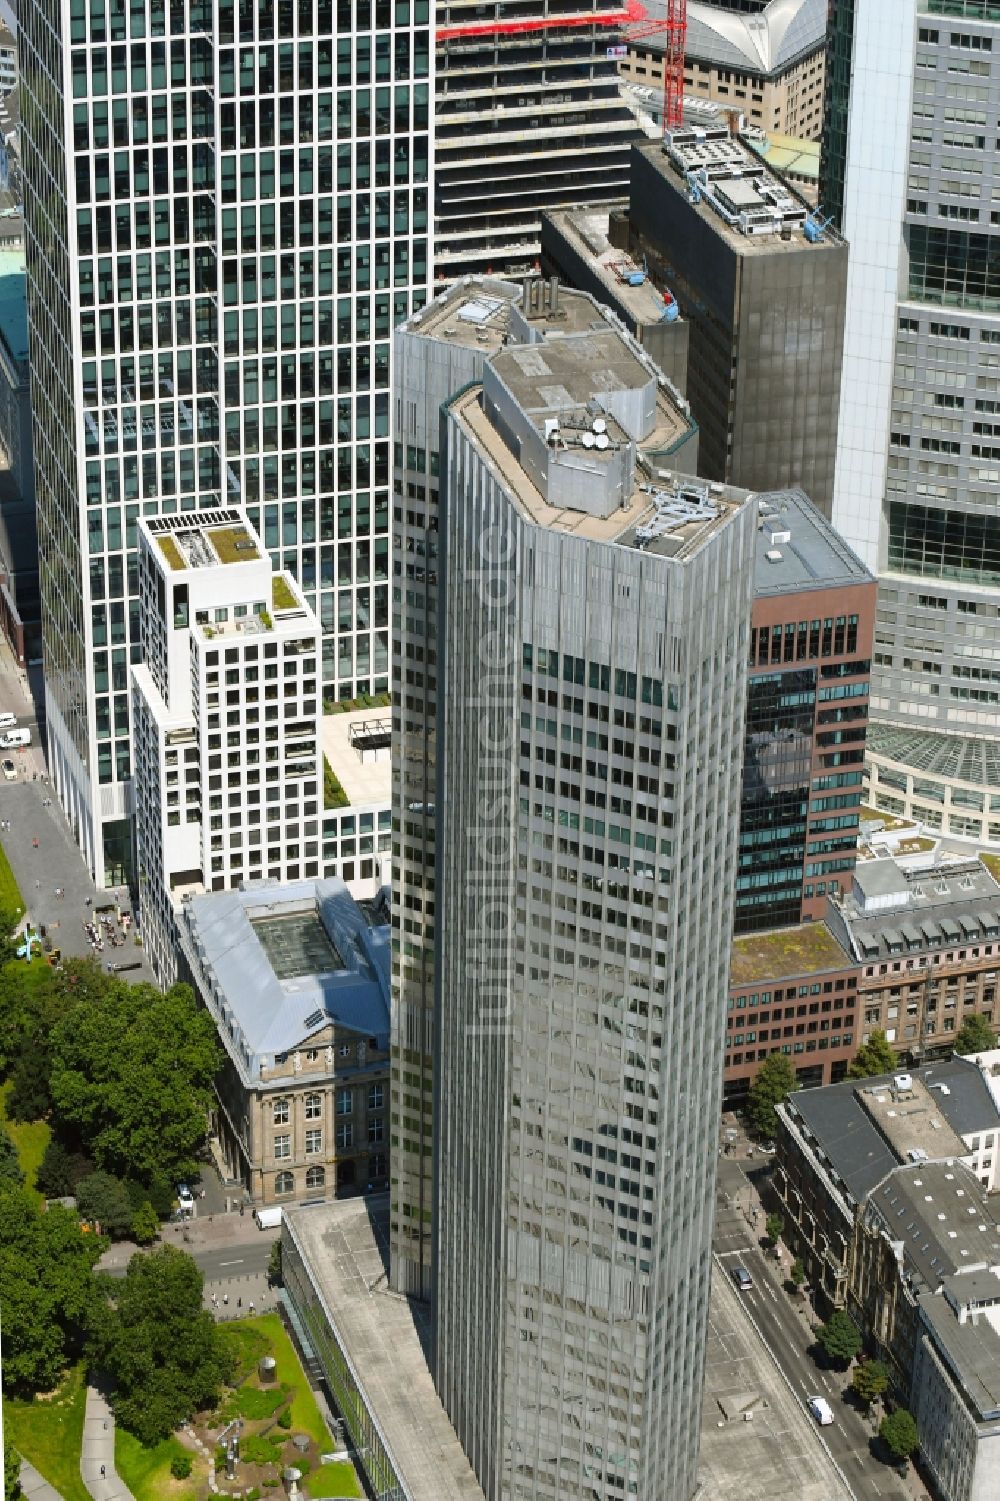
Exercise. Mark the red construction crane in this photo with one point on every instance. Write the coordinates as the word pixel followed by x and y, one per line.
pixel 672 26
pixel 632 20
pixel 633 11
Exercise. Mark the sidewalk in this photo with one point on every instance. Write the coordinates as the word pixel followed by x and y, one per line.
pixel 251 1287
pixel 33 1487
pixel 97 1459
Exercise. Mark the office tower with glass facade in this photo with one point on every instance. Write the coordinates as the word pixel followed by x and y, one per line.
pixel 763 286
pixel 591 664
pixel 227 212
pixel 438 352
pixel 807 716
pixel 528 117
pixel 910 164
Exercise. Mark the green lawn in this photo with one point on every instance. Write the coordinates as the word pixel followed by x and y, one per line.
pixel 50 1434
pixel 333 1480
pixel 146 1472
pixel 305 1414
pixel 30 1138
pixel 11 899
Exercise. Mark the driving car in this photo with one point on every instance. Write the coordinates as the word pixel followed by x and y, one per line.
pixel 9 771
pixel 821 1410
pixel 742 1278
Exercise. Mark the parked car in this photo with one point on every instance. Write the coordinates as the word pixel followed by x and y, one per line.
pixel 185 1198
pixel 9 771
pixel 742 1278
pixel 821 1410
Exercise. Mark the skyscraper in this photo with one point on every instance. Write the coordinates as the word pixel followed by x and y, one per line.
pixel 227 212
pixel 528 117
pixel 590 676
pixel 908 165
pixel 436 354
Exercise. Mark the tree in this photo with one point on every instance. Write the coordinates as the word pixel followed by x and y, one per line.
pixel 60 1171
pixel 900 1433
pixel 775 1080
pixel 839 1338
pixel 145 1224
pixel 975 1035
pixel 870 1380
pixel 274 1265
pixel 798 1272
pixel 872 1058
pixel 132 1072
pixel 164 1354
pixel 103 1200
pixel 29 1098
pixel 46 1289
pixel 11 1472
pixel 31 1002
pixel 11 1171
pixel 774 1227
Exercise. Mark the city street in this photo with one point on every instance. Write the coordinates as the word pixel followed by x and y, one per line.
pixel 229 1250
pixel 784 1324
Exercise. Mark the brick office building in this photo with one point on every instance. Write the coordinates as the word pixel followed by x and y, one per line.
pixel 807 715
pixel 795 990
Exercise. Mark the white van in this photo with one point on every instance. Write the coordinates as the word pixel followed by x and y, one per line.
pixel 13 738
pixel 821 1410
pixel 8 721
pixel 268 1219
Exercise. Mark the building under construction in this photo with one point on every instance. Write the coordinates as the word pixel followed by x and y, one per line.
pixel 528 116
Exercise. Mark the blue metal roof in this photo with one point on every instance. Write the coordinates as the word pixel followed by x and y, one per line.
pixel 266 1015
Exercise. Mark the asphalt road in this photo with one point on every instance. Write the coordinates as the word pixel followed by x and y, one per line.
pixel 787 1333
pixel 217 1264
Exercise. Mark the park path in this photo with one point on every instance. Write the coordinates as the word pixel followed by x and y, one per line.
pixel 97 1459
pixel 33 1487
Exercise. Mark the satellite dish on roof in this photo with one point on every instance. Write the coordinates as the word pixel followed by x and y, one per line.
pixel 600 426
pixel 589 440
pixel 602 440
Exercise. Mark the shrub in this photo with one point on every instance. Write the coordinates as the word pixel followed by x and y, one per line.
pixel 285 1418
pixel 180 1466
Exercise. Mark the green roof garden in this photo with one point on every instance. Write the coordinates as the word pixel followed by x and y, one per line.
pixel 806 950
pixel 171 551
pixel 233 544
pixel 282 594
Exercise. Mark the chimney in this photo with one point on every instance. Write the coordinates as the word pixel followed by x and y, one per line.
pixel 553 294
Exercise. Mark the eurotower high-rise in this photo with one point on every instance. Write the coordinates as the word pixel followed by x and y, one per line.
pixel 227 213
pixel 589 677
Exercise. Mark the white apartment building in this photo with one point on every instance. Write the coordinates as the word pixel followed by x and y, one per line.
pixel 228 769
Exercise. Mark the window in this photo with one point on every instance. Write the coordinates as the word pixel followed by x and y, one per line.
pixel 345 1134
pixel 280 1112
pixel 284 1183
pixel 314 1143
pixel 282 1146
pixel 375 1097
pixel 345 1101
pixel 316 1177
pixel 314 1107
pixel 375 1129
pixel 344 1050
pixel 378 1165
